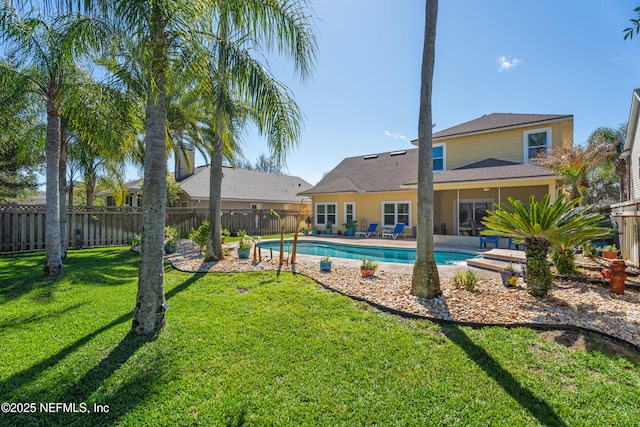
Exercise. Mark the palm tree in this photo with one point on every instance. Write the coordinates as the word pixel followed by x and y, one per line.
pixel 574 164
pixel 21 139
pixel 44 55
pixel 541 226
pixel 613 141
pixel 242 88
pixel 169 31
pixel 425 281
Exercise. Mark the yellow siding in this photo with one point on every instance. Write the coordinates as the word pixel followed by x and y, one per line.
pixel 368 207
pixel 504 145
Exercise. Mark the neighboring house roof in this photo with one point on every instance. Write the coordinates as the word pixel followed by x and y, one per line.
pixel 392 171
pixel 133 186
pixel 242 184
pixel 498 121
pixel 38 199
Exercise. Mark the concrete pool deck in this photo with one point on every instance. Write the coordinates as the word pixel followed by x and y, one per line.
pixel 400 243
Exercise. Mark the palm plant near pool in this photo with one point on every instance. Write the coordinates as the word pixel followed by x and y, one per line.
pixel 542 226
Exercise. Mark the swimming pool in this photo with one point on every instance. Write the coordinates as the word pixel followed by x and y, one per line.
pixel 337 250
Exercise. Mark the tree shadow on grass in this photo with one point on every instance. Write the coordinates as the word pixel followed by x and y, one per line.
pixel 129 395
pixel 537 407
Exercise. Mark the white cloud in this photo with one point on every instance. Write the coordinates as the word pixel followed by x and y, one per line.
pixel 507 63
pixel 394 135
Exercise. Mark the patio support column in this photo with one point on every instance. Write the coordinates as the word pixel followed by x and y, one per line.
pixel 456 214
pixel 499 195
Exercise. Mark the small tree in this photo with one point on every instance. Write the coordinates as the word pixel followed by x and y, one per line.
pixel 541 226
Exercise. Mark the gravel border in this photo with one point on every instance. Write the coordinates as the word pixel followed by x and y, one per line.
pixel 571 304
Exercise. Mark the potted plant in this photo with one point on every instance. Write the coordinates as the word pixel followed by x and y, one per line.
pixel 329 228
pixel 509 276
pixel 170 246
pixel 325 264
pixel 368 267
pixel 244 245
pixel 350 227
pixel 610 252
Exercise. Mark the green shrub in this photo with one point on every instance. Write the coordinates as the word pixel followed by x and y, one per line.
pixel 468 280
pixel 564 261
pixel 170 231
pixel 135 240
pixel 201 235
pixel 589 250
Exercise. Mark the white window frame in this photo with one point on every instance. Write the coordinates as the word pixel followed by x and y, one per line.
pixel 353 211
pixel 326 213
pixel 184 204
pixel 395 212
pixel 525 142
pixel 444 156
pixel 255 206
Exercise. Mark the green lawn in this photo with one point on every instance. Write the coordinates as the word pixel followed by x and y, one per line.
pixel 261 349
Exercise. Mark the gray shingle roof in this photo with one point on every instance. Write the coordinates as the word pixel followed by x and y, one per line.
pixel 387 172
pixel 376 172
pixel 494 121
pixel 242 184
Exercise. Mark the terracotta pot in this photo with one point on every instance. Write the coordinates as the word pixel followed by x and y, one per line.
pixel 610 254
pixel 368 272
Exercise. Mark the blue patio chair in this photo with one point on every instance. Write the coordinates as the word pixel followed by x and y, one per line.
pixel 371 230
pixel 398 230
pixel 489 239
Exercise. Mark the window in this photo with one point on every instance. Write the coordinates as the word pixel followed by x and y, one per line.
pixel 326 213
pixel 439 157
pixel 256 206
pixel 536 143
pixel 396 213
pixel 184 204
pixel 110 201
pixel 349 212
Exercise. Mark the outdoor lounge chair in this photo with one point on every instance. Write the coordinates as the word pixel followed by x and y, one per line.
pixel 398 230
pixel 371 230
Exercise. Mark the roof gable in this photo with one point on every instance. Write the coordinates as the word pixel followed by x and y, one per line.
pixel 498 121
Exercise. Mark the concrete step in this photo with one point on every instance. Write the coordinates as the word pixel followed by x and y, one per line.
pixel 505 255
pixel 492 264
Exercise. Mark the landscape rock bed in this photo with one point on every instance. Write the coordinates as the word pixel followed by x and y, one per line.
pixel 571 302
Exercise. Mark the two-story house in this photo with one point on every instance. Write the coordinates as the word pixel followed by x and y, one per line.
pixel 477 165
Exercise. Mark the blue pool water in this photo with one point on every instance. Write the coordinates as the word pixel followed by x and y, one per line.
pixel 336 250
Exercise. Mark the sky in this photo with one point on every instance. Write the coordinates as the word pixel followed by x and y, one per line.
pixel 492 56
pixel 506 56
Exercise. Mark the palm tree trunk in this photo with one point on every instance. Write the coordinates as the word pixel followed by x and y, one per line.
pixel 214 242
pixel 62 176
pixel 539 278
pixel 52 221
pixel 426 281
pixel 91 179
pixel 148 315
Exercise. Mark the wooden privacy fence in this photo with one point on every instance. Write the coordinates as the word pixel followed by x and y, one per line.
pixel 627 216
pixel 22 227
